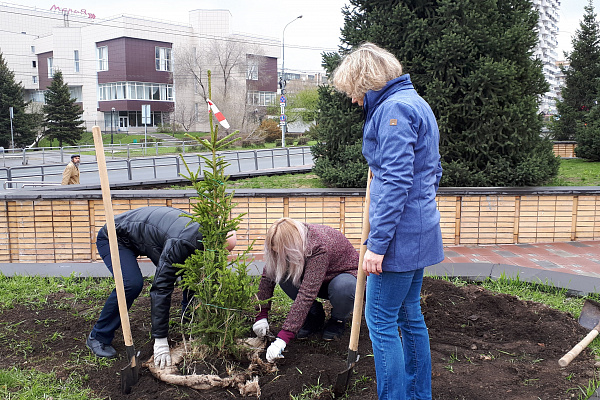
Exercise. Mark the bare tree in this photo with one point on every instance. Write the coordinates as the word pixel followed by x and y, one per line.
pixel 229 59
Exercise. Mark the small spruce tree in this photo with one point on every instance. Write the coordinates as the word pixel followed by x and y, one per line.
pixel 224 295
pixel 63 117
pixel 12 95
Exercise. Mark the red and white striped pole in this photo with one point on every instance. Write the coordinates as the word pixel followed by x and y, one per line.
pixel 220 117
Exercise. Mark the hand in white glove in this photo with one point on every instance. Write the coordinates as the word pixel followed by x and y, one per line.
pixel 162 354
pixel 275 349
pixel 261 327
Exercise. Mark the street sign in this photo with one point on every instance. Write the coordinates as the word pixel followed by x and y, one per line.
pixel 282 99
pixel 282 117
pixel 282 123
pixel 146 120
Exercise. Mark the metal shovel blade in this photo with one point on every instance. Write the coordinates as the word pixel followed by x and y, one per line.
pixel 130 374
pixel 590 314
pixel 343 378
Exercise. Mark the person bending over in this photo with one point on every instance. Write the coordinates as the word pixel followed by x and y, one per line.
pixel 307 261
pixel 166 237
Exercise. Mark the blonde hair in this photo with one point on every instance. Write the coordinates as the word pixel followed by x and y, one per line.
pixel 285 249
pixel 368 67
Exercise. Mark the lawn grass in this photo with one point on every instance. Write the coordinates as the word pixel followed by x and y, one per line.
pixel 577 172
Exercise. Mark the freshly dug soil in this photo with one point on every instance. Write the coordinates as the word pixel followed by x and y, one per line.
pixel 484 346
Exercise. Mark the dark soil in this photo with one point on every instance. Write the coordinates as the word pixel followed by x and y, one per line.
pixel 484 346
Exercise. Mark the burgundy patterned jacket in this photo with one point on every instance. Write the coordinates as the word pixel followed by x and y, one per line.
pixel 331 254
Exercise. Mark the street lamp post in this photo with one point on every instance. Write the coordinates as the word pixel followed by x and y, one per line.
pixel 111 124
pixel 282 82
pixel 12 137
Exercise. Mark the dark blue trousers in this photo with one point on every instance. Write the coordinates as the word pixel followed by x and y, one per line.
pixel 133 282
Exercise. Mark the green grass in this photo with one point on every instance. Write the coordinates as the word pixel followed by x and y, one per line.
pixel 577 172
pixel 288 181
pixel 33 291
pixel 21 384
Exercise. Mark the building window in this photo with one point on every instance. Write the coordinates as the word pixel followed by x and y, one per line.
pixel 34 79
pixel 102 53
pixel 76 58
pixel 135 91
pixel 33 49
pixel 163 59
pixel 252 71
pixel 50 67
pixel 259 98
pixel 38 96
pixel 76 92
pixel 33 64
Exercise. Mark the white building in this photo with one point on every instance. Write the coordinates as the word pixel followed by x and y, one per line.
pixel 546 50
pixel 113 66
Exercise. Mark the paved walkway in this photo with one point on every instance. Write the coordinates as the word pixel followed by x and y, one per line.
pixel 571 265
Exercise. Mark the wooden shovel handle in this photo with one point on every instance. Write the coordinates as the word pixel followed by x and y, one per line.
pixel 112 235
pixel 359 295
pixel 574 352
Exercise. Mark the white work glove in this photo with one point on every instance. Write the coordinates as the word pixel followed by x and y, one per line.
pixel 261 327
pixel 275 349
pixel 162 354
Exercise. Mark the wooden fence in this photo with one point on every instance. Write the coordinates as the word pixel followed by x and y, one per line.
pixel 61 226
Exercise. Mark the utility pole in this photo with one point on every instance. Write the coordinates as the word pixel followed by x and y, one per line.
pixel 282 82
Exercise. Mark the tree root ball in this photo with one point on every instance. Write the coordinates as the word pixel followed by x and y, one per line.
pixel 246 381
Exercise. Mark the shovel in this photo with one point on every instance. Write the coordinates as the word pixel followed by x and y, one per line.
pixel 590 319
pixel 131 373
pixel 343 377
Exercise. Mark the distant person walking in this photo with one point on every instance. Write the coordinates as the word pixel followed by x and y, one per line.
pixel 71 172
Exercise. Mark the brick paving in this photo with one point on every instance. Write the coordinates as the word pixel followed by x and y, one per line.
pixel 579 258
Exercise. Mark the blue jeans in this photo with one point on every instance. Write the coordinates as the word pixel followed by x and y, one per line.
pixel 133 282
pixel 402 365
pixel 339 291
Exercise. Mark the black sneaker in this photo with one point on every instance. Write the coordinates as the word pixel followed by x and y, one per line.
pixel 314 321
pixel 100 349
pixel 334 329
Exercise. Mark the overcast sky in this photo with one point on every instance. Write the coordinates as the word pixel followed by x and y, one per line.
pixel 305 39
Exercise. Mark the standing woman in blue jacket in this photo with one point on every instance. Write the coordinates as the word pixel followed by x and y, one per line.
pixel 401 146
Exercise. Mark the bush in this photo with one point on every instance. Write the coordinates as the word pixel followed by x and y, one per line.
pixel 270 130
pixel 354 173
pixel 288 142
pixel 588 143
pixel 169 129
pixel 302 141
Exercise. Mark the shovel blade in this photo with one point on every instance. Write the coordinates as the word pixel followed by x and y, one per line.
pixel 343 378
pixel 590 314
pixel 130 374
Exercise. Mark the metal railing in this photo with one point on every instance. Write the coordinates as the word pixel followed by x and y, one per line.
pixel 161 167
pixel 15 184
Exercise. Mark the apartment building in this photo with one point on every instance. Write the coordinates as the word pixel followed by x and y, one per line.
pixel 116 65
pixel 546 50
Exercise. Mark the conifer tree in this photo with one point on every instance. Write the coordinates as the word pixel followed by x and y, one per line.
pixel 472 62
pixel 582 86
pixel 63 117
pixel 224 296
pixel 11 95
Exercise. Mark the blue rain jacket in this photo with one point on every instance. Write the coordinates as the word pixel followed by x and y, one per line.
pixel 401 145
